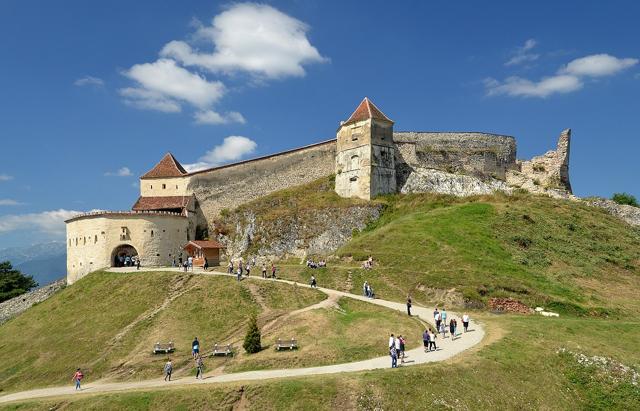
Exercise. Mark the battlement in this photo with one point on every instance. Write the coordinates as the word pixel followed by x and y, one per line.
pixel 101 213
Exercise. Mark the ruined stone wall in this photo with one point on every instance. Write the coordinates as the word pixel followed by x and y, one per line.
pixel 19 304
pixel 227 187
pixel 92 239
pixel 480 154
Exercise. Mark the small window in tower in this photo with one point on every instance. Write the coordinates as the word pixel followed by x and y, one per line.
pixel 95 240
pixel 176 186
pixel 353 179
pixel 85 241
pixel 151 233
pixel 164 186
pixel 151 186
pixel 355 136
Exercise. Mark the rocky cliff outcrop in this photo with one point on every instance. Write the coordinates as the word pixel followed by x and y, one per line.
pixel 21 303
pixel 626 213
pixel 313 232
pixel 423 180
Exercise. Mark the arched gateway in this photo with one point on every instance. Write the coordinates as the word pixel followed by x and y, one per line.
pixel 120 253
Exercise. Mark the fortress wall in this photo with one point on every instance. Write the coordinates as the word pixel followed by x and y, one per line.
pixel 236 184
pixel 457 152
pixel 174 186
pixel 92 239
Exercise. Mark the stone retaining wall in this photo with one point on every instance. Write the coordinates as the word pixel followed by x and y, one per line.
pixel 21 303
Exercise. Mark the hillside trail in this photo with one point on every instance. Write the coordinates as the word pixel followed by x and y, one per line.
pixel 447 348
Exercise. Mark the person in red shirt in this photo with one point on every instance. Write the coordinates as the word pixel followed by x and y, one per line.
pixel 77 377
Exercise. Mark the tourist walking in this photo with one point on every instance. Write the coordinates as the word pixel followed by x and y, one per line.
pixel 239 274
pixel 248 270
pixel 199 367
pixel 443 330
pixel 425 340
pixel 432 340
pixel 402 345
pixel 273 271
pixel 394 356
pixel 452 328
pixel 409 305
pixel 264 271
pixel 168 369
pixel 438 319
pixel 465 322
pixel 77 377
pixel 137 263
pixel 365 289
pixel 443 316
pixel 230 267
pixel 206 264
pixel 240 267
pixel 190 260
pixel 313 282
pixel 392 341
pixel 195 347
pixel 173 263
pixel 398 346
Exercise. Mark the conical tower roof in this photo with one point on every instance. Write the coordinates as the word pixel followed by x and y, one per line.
pixel 367 110
pixel 167 167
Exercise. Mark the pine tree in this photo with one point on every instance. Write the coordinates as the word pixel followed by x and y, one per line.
pixel 252 339
pixel 13 282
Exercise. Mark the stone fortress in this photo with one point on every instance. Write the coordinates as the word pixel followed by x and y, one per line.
pixel 368 159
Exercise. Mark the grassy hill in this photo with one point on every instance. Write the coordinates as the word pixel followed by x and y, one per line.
pixel 107 324
pixel 564 255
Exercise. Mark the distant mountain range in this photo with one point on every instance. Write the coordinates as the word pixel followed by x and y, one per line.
pixel 46 262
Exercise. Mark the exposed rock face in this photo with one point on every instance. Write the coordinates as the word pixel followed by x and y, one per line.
pixel 320 232
pixel 423 180
pixel 626 213
pixel 545 174
pixel 508 305
pixel 21 303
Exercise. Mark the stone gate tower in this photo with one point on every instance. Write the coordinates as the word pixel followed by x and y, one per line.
pixel 365 151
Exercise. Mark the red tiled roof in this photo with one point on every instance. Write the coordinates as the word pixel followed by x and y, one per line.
pixel 365 111
pixel 167 167
pixel 204 244
pixel 161 203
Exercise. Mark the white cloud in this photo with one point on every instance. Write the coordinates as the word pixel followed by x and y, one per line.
pixel 121 172
pixel 232 148
pixel 149 100
pixel 213 117
pixel 89 81
pixel 51 222
pixel 8 202
pixel 568 79
pixel 598 65
pixel 250 37
pixel 163 85
pixel 522 54
pixel 518 86
pixel 5 177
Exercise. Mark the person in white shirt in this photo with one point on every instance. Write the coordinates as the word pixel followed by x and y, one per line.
pixel 392 341
pixel 465 322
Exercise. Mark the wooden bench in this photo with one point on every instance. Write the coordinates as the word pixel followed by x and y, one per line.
pixel 222 349
pixel 159 348
pixel 283 344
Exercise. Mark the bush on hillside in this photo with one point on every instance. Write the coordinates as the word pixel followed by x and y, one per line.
pixel 625 199
pixel 13 283
pixel 252 339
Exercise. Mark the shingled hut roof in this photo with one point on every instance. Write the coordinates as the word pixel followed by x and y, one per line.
pixel 167 167
pixel 367 110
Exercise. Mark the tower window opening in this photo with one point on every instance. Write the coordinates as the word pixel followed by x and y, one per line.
pixel 164 186
pixel 151 233
pixel 151 186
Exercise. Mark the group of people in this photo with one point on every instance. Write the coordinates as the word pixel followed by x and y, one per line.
pixel 128 261
pixel 368 264
pixel 243 269
pixel 396 350
pixel 197 358
pixel 320 264
pixel 367 290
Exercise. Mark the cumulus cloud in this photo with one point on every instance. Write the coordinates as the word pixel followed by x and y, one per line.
pixel 567 79
pixel 5 177
pixel 232 148
pixel 254 38
pixel 523 54
pixel 165 83
pixel 89 81
pixel 50 222
pixel 9 202
pixel 121 172
pixel 213 117
pixel 518 86
pixel 598 65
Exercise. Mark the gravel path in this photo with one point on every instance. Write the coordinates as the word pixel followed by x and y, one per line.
pixel 447 348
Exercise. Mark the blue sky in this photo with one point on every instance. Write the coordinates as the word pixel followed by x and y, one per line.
pixel 92 94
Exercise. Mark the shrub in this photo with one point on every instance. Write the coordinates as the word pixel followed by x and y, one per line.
pixel 13 283
pixel 625 199
pixel 252 339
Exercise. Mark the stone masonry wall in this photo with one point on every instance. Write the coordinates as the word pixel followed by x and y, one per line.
pixel 21 303
pixel 228 187
pixel 480 154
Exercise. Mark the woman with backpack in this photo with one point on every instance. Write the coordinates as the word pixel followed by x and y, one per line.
pixel 77 377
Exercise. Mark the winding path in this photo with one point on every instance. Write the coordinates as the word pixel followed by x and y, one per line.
pixel 447 348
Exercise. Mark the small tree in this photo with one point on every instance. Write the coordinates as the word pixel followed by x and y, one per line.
pixel 625 198
pixel 252 339
pixel 13 282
